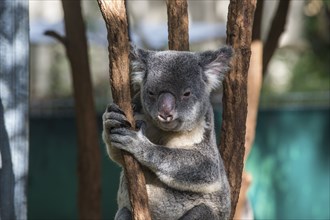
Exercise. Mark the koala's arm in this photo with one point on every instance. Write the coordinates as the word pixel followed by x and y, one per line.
pixel 113 117
pixel 194 169
pixel 115 153
pixel 183 169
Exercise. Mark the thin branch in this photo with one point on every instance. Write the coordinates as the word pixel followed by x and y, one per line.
pixel 256 30
pixel 276 30
pixel 56 36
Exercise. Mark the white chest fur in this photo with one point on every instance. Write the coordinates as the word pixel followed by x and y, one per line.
pixel 185 139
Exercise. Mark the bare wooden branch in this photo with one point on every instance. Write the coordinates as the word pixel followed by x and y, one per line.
pixel 114 14
pixel 254 88
pixel 275 31
pixel 56 36
pixel 178 24
pixel 239 36
pixel 253 92
pixel 89 160
pixel 254 80
pixel 256 29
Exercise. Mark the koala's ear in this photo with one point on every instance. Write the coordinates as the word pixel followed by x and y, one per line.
pixel 138 54
pixel 138 59
pixel 215 65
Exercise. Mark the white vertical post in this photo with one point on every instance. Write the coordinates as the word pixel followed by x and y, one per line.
pixel 14 123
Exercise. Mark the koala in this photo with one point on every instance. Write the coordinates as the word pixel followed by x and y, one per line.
pixel 175 139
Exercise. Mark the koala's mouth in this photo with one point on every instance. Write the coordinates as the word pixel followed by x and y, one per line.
pixel 173 125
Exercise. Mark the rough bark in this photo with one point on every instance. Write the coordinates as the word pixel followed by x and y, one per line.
pixel 114 14
pixel 254 88
pixel 89 161
pixel 239 35
pixel 178 24
pixel 254 79
pixel 275 31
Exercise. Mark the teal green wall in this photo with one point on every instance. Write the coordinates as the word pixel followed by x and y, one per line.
pixel 52 189
pixel 289 163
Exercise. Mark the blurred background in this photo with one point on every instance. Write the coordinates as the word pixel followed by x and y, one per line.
pixel 289 161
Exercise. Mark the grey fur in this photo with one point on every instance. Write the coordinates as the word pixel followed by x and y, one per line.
pixel 176 143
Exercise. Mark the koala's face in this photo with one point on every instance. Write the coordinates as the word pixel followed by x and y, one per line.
pixel 175 86
pixel 174 91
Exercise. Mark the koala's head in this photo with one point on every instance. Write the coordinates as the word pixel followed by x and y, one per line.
pixel 175 86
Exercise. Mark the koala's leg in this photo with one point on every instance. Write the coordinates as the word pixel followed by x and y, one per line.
pixel 200 212
pixel 123 214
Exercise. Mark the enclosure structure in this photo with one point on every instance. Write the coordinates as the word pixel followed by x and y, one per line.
pixel 280 154
pixel 14 94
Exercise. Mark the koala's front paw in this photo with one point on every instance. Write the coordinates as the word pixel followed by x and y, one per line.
pixel 126 139
pixel 117 130
pixel 114 117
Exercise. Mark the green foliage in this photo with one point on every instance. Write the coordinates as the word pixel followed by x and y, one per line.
pixel 312 71
pixel 300 73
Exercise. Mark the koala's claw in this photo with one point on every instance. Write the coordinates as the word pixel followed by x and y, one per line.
pixel 115 108
pixel 124 139
pixel 141 125
pixel 114 117
pixel 122 131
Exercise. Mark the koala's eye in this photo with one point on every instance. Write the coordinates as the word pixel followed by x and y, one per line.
pixel 150 93
pixel 186 94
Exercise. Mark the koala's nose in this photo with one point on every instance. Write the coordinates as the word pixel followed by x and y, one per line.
pixel 166 106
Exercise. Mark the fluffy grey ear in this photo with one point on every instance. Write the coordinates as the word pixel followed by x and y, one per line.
pixel 138 59
pixel 215 65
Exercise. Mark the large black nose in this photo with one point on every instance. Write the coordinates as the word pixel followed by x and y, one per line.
pixel 166 106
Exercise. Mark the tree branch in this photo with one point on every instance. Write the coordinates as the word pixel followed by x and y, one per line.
pixel 239 36
pixel 56 36
pixel 114 14
pixel 275 31
pixel 178 24
pixel 89 159
pixel 256 29
pixel 253 92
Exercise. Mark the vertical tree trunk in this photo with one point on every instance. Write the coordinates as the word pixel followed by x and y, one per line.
pixel 178 24
pixel 253 93
pixel 254 80
pixel 114 14
pixel 89 189
pixel 239 35
pixel 255 77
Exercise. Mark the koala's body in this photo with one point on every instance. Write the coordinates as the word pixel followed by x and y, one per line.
pixel 175 143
